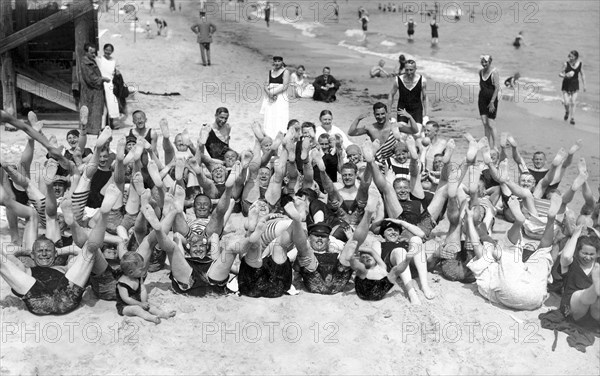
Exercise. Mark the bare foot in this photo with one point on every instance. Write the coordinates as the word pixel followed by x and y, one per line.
pixel 429 294
pixel 413 296
pixel 596 278
pixel 138 149
pixel 246 158
pixel 261 226
pixel 559 157
pixel 53 142
pixel 469 137
pixel 51 168
pixel 138 182
pixel 449 150
pixel 84 113
pixel 515 208
pixel 305 149
pixel 555 204
pixel 368 152
pixel 579 180
pixel 204 132
pixel 576 146
pixel 253 214
pixel 167 315
pixel 412 147
pixel 164 128
pixel 151 217
pixel 372 202
pixel 511 140
pixel 154 173
pixel 179 198
pixel 472 151
pixel 277 141
pixel 317 157
pixel 179 167
pixel 155 319
pixel 111 195
pixel 581 166
pixel 103 137
pixel 67 210
pixel 169 203
pixel 121 149
pixel 503 171
pixel 236 171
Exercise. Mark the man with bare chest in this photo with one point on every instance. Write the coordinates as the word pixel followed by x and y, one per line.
pixel 387 133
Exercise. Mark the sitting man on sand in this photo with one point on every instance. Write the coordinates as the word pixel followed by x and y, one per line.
pixel 325 87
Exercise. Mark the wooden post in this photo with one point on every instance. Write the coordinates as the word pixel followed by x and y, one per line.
pixel 7 69
pixel 21 22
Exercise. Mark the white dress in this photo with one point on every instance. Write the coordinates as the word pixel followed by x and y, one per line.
pixel 302 88
pixel 277 112
pixel 107 68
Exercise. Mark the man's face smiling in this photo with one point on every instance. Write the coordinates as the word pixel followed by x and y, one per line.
pixel 380 115
pixel 319 242
pixel 410 70
pixel 44 253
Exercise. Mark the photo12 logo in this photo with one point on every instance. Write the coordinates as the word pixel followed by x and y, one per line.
pixel 55 332
pixel 268 331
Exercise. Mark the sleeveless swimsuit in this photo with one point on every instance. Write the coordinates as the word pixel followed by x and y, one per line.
pixel 135 294
pixel 571 84
pixel 410 100
pixel 215 146
pixel 486 92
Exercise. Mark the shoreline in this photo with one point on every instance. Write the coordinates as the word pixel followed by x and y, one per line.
pixel 456 333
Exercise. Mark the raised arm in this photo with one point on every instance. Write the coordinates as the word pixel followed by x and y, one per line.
pixel 354 129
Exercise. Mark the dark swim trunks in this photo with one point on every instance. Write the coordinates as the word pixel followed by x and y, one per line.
pixel 456 269
pixel 271 280
pixel 200 284
pixel 52 293
pixel 330 277
pixel 103 285
pixel 370 289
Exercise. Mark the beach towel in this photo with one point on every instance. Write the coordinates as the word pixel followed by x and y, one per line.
pixel 580 334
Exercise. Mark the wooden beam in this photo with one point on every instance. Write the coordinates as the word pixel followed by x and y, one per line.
pixel 7 69
pixel 47 92
pixel 43 77
pixel 21 23
pixel 43 26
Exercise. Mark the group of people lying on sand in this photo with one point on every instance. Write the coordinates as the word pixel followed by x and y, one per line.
pixel 315 207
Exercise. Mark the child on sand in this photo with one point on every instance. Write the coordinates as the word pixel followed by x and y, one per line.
pixel 132 296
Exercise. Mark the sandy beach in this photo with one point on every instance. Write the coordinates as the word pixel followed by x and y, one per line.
pixel 456 333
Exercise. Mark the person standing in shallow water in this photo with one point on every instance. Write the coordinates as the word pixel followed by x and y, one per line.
pixel 489 86
pixel 204 31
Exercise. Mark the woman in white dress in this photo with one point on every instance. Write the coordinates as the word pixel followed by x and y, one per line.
pixel 299 81
pixel 276 107
pixel 108 67
pixel 326 119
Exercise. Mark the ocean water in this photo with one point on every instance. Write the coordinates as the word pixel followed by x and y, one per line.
pixel 551 29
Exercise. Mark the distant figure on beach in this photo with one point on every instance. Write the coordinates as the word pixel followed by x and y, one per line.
pixel 519 40
pixel 363 17
pixel 325 87
pixel 204 31
pixel 276 106
pixel 511 81
pixel 488 97
pixel 570 85
pixel 434 31
pixel 411 88
pixel 161 25
pixel 401 65
pixel 152 6
pixel 172 5
pixel 268 13
pixel 378 71
pixel 411 28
